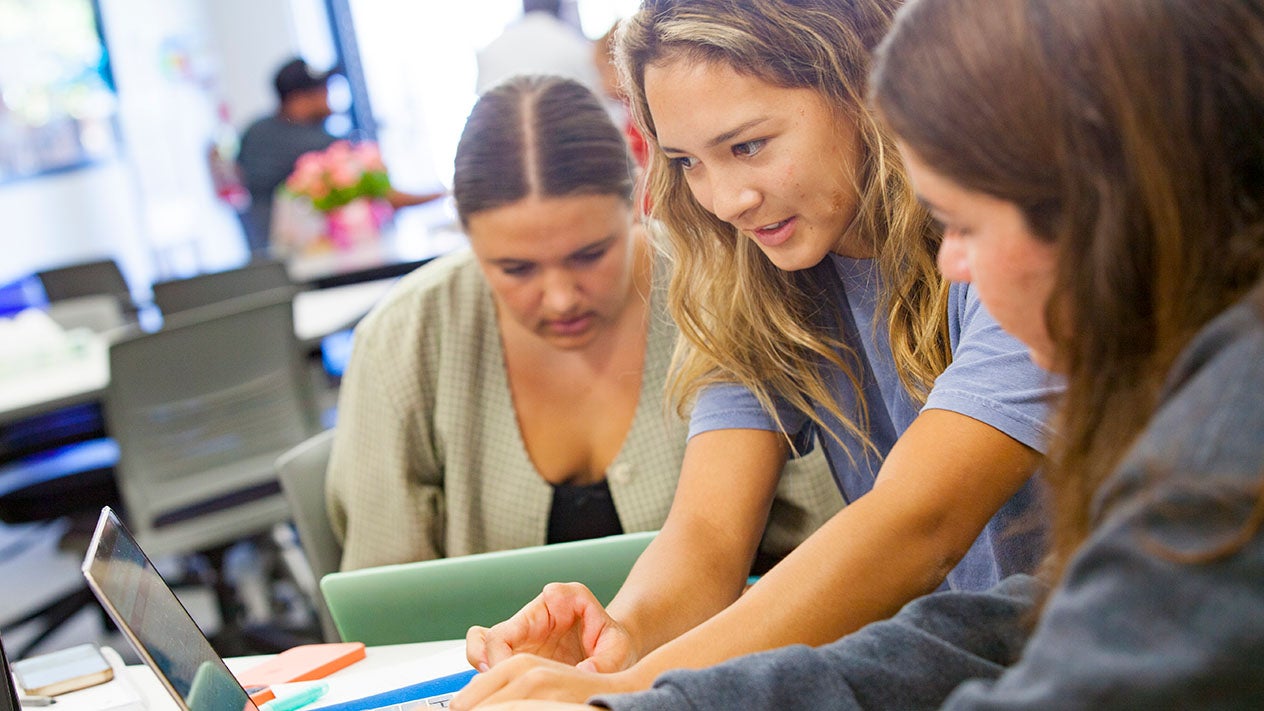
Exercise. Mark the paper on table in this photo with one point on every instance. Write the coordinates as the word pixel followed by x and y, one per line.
pixel 354 683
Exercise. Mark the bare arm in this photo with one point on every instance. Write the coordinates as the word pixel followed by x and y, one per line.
pixel 694 568
pixel 398 198
pixel 941 483
pixel 699 562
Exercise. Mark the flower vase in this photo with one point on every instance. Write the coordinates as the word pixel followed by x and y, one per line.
pixel 358 222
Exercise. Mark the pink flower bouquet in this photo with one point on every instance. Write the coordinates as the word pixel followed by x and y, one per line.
pixel 339 174
pixel 343 188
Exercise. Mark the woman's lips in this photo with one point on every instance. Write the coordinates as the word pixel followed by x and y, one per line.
pixel 775 234
pixel 570 327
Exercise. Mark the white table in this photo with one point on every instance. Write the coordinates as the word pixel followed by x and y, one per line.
pixel 383 669
pixel 417 235
pixel 83 379
pixel 321 312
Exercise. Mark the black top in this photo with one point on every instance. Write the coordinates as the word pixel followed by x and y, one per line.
pixel 582 511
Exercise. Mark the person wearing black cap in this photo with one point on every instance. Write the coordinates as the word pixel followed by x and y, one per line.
pixel 273 143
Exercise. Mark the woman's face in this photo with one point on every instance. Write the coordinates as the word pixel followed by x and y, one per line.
pixel 987 242
pixel 775 163
pixel 561 268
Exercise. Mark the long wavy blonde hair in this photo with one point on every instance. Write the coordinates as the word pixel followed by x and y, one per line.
pixel 742 319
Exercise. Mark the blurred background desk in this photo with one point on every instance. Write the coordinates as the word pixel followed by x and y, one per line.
pixel 84 377
pixel 412 240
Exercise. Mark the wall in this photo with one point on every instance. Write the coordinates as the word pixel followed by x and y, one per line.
pixel 154 209
pixel 72 216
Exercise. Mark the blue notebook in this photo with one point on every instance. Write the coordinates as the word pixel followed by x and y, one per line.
pixel 428 694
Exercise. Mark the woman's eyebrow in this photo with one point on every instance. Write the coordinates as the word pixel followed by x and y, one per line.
pixel 599 244
pixel 723 137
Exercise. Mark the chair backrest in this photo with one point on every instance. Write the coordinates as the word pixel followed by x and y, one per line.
pixel 441 599
pixel 99 276
pixel 100 313
pixel 201 410
pixel 302 474
pixel 178 295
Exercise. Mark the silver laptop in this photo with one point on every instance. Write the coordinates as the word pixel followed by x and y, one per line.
pixel 158 626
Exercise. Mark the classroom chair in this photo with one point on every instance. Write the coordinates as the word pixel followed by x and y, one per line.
pixel 201 409
pixel 89 278
pixel 178 295
pixel 302 474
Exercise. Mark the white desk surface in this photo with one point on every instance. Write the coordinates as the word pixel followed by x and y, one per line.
pixel 321 312
pixel 418 233
pixel 317 314
pixel 382 669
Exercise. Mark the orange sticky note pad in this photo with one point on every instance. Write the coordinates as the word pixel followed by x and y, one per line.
pixel 303 663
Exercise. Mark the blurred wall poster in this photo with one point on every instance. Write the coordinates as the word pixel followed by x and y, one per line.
pixel 57 101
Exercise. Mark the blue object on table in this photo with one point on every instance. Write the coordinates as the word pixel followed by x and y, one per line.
pixel 415 692
pixel 298 700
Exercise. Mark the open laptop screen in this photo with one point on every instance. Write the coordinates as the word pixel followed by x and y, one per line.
pixel 148 612
pixel 8 694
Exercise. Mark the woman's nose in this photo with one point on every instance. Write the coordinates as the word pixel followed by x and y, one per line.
pixel 561 290
pixel 732 196
pixel 953 261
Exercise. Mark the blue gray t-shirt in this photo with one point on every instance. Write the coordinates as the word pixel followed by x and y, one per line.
pixel 991 379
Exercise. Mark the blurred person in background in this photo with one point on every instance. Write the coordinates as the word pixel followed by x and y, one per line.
pixel 272 144
pixel 540 42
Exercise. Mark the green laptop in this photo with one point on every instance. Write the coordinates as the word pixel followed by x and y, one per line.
pixel 440 599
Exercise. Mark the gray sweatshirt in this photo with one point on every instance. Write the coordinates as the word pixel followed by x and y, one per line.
pixel 1129 626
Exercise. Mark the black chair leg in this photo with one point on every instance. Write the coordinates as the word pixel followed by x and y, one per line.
pixel 52 616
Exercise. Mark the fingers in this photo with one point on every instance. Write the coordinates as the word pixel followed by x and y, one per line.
pixel 487 647
pixel 610 652
pixel 537 706
pixel 563 623
pixel 529 677
pixel 476 648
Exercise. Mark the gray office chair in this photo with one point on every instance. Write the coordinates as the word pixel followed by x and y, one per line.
pixel 179 295
pixel 201 410
pixel 302 474
pixel 98 276
pixel 100 313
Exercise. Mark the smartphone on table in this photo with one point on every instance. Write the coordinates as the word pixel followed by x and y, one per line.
pixel 61 672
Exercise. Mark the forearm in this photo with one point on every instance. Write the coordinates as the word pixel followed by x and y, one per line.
pixel 884 549
pixel 399 199
pixel 678 583
pixel 912 661
pixel 699 562
pixel 839 580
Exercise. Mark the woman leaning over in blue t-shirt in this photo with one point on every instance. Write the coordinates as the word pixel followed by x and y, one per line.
pixel 804 284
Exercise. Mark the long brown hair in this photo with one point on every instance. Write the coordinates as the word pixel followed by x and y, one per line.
pixel 1131 134
pixel 743 319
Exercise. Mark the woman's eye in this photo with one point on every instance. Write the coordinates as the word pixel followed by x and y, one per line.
pixel 946 229
pixel 590 257
pixel 749 148
pixel 516 270
pixel 683 162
